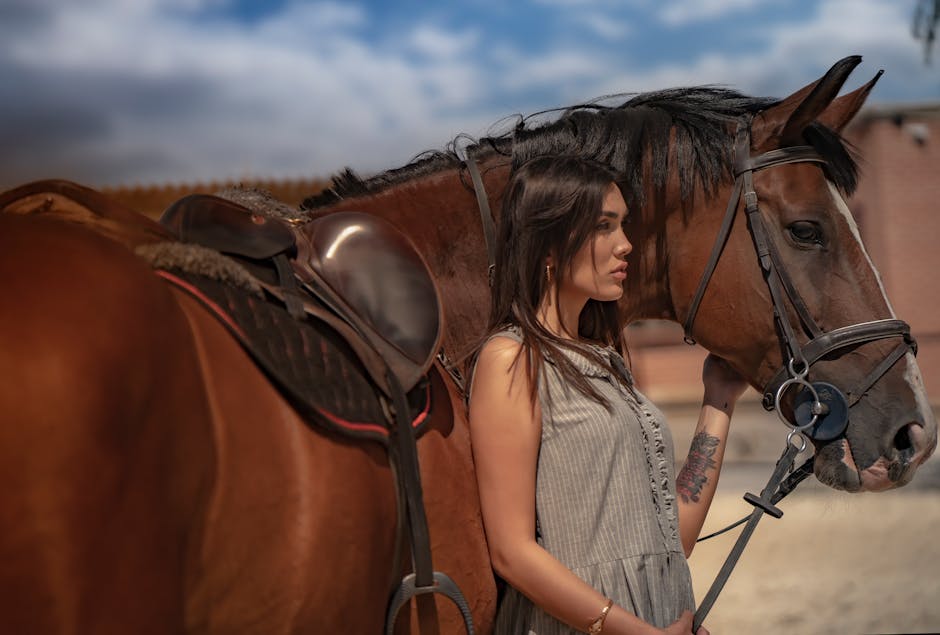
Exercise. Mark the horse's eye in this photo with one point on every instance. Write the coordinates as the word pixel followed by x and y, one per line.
pixel 806 232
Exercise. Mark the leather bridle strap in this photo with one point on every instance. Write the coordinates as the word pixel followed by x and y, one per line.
pixel 762 243
pixel 489 237
pixel 744 165
pixel 810 327
pixel 717 249
pixel 779 283
pixel 486 216
pixel 902 349
pixel 845 337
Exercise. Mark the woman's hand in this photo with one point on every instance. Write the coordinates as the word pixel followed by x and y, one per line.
pixel 723 384
pixel 683 625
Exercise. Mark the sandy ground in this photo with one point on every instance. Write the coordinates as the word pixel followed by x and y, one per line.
pixel 835 562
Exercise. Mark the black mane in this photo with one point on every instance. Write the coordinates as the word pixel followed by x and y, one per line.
pixel 348 184
pixel 696 119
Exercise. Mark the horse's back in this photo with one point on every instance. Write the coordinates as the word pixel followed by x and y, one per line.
pixel 65 200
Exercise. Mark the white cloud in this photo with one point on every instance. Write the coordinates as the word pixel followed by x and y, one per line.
pixel 297 94
pixel 438 43
pixel 603 25
pixel 558 69
pixel 616 4
pixel 679 12
pixel 795 54
pixel 302 24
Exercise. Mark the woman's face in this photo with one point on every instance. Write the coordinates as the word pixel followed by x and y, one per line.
pixel 599 268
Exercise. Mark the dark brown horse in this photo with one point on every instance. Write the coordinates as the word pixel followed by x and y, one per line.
pixel 154 481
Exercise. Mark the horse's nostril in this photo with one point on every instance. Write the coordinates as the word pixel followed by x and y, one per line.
pixel 902 440
pixel 905 442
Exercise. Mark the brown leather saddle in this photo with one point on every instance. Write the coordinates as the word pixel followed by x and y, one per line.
pixel 347 296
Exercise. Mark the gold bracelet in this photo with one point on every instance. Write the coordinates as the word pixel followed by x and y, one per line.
pixel 597 626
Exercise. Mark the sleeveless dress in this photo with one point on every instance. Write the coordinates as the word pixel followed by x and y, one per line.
pixel 605 500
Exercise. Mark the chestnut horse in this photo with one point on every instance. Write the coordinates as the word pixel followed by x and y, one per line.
pixel 154 481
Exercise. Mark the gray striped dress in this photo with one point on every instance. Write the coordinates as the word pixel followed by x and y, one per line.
pixel 605 501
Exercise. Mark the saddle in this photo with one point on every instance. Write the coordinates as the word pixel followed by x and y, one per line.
pixel 346 295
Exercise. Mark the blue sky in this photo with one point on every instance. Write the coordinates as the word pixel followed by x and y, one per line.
pixel 123 92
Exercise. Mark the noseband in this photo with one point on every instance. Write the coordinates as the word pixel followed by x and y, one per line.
pixel 822 409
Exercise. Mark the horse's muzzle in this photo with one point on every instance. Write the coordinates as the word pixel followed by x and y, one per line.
pixel 911 446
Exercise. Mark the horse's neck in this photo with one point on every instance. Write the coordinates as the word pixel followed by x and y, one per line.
pixel 648 293
pixel 673 248
pixel 439 213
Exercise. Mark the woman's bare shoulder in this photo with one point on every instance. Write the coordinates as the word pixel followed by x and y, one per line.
pixel 501 376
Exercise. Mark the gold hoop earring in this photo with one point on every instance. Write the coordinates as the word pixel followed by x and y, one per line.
pixel 548 285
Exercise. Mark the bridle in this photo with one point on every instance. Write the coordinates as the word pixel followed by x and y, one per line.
pixel 820 409
pixel 820 425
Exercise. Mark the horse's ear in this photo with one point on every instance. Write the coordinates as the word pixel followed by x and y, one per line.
pixel 842 110
pixel 783 123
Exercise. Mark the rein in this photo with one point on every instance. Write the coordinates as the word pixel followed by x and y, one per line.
pixel 821 411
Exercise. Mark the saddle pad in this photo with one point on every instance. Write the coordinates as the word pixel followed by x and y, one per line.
pixel 311 365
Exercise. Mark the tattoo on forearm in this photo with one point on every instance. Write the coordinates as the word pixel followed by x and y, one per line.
pixel 692 478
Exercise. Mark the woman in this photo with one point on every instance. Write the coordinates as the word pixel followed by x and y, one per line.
pixel 575 467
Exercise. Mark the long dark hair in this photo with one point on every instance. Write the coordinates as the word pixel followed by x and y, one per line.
pixel 551 208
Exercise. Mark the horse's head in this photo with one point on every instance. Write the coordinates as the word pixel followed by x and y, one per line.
pixel 798 241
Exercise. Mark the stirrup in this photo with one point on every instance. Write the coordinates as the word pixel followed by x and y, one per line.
pixel 408 589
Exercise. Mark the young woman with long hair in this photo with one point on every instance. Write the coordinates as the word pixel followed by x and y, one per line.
pixel 575 466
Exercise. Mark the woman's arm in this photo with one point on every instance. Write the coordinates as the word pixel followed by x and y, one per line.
pixel 505 430
pixel 698 479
